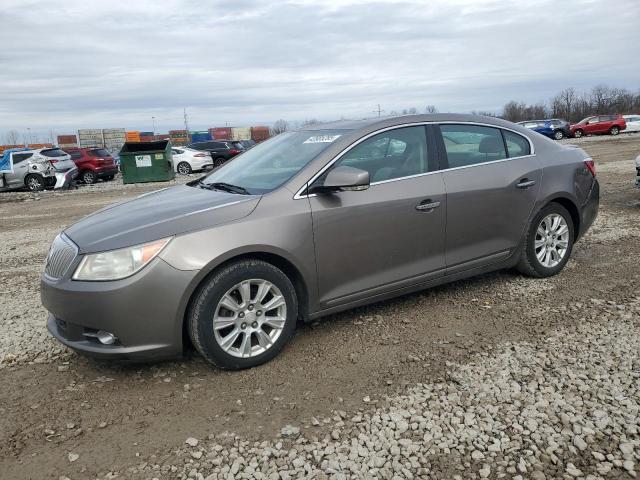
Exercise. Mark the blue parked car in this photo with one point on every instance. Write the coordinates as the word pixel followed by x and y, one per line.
pixel 552 128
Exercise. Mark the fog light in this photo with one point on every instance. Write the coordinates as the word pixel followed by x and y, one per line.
pixel 105 338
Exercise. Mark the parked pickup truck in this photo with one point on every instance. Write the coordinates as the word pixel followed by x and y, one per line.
pixel 36 170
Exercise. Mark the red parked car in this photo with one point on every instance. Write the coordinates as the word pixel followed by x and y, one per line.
pixel 93 163
pixel 611 124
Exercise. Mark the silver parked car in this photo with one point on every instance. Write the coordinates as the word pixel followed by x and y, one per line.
pixel 312 222
pixel 36 169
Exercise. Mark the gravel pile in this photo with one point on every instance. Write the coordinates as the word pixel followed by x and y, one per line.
pixel 565 407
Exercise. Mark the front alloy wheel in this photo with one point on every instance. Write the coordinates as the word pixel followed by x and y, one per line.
pixel 578 133
pixel 614 131
pixel 558 135
pixel 243 315
pixel 184 168
pixel 549 241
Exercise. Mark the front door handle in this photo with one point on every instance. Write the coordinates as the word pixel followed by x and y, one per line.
pixel 524 183
pixel 427 206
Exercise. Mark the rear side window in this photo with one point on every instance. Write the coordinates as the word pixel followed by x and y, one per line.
pixel 392 154
pixel 517 145
pixel 20 157
pixel 472 144
pixel 53 152
pixel 75 155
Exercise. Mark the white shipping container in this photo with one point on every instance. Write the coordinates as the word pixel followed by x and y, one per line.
pixel 240 133
pixel 114 139
pixel 67 145
pixel 90 143
pixel 90 131
pixel 91 138
pixel 113 130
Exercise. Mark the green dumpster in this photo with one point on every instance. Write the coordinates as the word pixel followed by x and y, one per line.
pixel 146 162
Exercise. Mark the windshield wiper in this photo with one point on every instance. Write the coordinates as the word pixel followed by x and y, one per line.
pixel 225 187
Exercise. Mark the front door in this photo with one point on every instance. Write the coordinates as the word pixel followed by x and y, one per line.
pixel 390 235
pixel 491 192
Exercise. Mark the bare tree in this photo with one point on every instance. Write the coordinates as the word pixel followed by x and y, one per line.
pixel 12 137
pixel 413 111
pixel 279 126
pixel 431 109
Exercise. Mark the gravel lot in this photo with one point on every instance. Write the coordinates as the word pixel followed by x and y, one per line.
pixel 498 376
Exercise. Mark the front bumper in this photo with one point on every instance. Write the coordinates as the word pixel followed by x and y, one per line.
pixel 144 312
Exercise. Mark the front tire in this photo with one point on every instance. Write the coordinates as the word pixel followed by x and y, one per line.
pixel 548 243
pixel 614 130
pixel 184 168
pixel 578 133
pixel 243 315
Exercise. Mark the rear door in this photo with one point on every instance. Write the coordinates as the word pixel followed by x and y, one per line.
pixel 20 167
pixel 492 179
pixel 390 235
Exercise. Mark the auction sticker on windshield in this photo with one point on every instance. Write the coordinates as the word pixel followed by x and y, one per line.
pixel 321 139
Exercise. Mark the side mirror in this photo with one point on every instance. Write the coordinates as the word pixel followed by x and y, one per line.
pixel 343 179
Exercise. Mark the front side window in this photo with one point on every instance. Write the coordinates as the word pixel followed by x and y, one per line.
pixel 392 154
pixel 273 162
pixel 472 144
pixel 517 145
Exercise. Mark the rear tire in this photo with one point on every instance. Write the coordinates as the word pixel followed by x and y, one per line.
pixel 184 168
pixel 34 182
pixel 88 177
pixel 230 315
pixel 578 133
pixel 614 130
pixel 542 237
pixel 218 161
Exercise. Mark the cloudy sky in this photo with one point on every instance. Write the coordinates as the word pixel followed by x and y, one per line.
pixel 68 64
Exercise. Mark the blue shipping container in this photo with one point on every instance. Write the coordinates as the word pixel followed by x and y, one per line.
pixel 200 137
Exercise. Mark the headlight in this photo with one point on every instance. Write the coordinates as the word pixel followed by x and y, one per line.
pixel 118 264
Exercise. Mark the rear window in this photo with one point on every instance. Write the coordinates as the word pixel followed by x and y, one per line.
pixel 53 152
pixel 100 152
pixel 75 155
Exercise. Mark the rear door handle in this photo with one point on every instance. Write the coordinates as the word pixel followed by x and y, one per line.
pixel 524 183
pixel 427 206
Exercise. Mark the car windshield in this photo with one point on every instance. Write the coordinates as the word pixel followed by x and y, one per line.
pixel 271 163
pixel 53 152
pixel 585 120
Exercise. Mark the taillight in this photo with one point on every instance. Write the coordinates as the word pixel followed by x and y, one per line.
pixel 591 166
pixel 201 155
pixel 233 151
pixel 53 160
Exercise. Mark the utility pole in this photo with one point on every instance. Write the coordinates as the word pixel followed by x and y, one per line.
pixel 186 123
pixel 153 121
pixel 379 110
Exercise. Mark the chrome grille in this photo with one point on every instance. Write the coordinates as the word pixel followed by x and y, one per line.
pixel 62 253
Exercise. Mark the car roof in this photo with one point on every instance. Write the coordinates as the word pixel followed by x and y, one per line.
pixel 402 119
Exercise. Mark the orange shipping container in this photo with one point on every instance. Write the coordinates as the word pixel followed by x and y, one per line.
pixel 132 136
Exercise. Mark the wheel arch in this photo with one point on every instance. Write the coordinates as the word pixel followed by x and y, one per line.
pixel 287 266
pixel 571 207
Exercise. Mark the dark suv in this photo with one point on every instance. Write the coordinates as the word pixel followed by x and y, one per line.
pixel 93 163
pixel 220 150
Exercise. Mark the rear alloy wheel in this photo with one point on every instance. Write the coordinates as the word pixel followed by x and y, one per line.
pixel 184 168
pixel 34 182
pixel 244 315
pixel 558 135
pixel 88 177
pixel 614 130
pixel 578 133
pixel 548 243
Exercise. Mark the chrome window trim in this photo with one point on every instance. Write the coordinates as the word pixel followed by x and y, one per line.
pixel 299 194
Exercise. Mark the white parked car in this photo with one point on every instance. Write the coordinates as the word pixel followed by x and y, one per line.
pixel 187 160
pixel 638 171
pixel 633 123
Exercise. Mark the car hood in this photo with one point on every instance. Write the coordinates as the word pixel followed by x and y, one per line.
pixel 156 215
